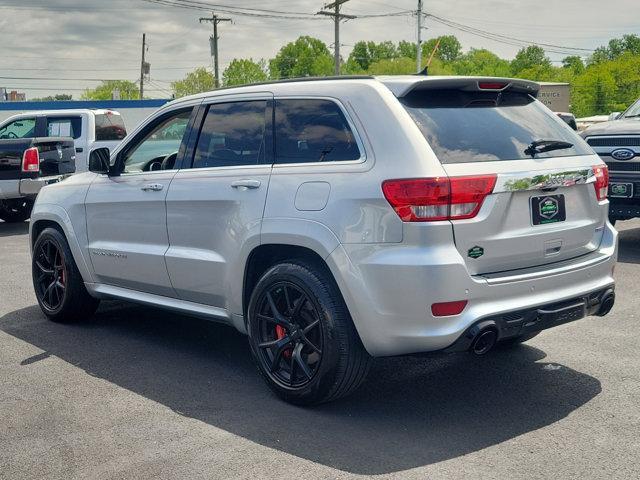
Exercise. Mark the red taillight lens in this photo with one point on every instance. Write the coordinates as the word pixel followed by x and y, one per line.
pixel 31 160
pixel 602 181
pixel 447 309
pixel 439 198
pixel 419 199
pixel 492 85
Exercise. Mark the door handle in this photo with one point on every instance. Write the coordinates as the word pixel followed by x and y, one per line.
pixel 79 150
pixel 245 184
pixel 152 187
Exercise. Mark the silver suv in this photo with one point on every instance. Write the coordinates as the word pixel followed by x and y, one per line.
pixel 338 220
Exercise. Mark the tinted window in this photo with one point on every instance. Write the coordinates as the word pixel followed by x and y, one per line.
pixel 487 126
pixel 158 149
pixel 64 127
pixel 110 126
pixel 313 131
pixel 233 134
pixel 23 128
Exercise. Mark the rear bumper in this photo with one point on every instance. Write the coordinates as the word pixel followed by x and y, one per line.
pixel 389 290
pixel 535 319
pixel 30 187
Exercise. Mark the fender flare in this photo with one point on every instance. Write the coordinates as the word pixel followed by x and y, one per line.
pixel 58 215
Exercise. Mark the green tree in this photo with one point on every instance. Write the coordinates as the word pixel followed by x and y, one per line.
pixel 449 49
pixel 573 63
pixel 128 90
pixel 481 62
pixel 54 98
pixel 407 49
pixel 405 66
pixel 529 57
pixel 366 53
pixel 615 48
pixel 198 81
pixel 305 57
pixel 243 71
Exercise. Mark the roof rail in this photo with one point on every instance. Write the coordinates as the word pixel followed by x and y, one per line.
pixel 299 79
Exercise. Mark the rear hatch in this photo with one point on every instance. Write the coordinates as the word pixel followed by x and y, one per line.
pixel 57 155
pixel 543 207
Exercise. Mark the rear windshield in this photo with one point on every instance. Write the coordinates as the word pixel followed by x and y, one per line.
pixel 466 127
pixel 110 126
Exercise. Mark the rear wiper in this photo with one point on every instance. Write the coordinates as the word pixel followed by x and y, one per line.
pixel 541 146
pixel 632 116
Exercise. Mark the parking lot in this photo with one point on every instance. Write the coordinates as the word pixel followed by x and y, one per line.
pixel 140 393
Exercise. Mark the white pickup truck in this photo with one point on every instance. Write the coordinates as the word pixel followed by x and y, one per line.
pixel 44 147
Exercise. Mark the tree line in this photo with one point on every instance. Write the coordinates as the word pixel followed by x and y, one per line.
pixel 608 80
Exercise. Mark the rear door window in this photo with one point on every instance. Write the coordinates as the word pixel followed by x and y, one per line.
pixel 233 134
pixel 64 127
pixel 312 131
pixel 21 128
pixel 110 126
pixel 487 126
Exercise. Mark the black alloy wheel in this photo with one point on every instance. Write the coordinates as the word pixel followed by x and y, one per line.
pixel 58 284
pixel 290 338
pixel 50 275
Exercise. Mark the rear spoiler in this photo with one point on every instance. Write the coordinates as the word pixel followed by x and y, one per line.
pixel 403 85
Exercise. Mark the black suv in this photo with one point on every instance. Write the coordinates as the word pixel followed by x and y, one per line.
pixel 618 144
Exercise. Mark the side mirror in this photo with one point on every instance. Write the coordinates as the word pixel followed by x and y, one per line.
pixel 100 160
pixel 614 116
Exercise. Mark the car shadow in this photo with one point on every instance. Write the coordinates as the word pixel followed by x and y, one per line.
pixel 629 245
pixel 11 229
pixel 412 411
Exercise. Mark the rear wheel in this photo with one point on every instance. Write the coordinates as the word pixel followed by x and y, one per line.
pixel 57 282
pixel 15 210
pixel 302 336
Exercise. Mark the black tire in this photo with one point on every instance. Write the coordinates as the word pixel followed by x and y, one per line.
pixel 15 210
pixel 57 282
pixel 515 341
pixel 336 361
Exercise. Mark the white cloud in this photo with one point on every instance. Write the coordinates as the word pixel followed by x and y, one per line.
pixel 102 38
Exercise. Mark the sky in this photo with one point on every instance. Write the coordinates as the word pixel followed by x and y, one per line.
pixel 70 44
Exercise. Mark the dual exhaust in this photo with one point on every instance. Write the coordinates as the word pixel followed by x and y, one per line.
pixel 485 335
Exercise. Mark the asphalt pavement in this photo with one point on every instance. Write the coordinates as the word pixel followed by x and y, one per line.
pixel 141 393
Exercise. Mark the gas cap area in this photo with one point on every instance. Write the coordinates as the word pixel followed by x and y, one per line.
pixel 312 196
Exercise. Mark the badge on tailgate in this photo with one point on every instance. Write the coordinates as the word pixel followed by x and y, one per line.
pixel 548 209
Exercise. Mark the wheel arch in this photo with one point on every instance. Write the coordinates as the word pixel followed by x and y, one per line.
pixel 266 255
pixel 54 216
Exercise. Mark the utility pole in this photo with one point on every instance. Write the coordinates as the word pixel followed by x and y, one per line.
pixel 337 17
pixel 144 47
pixel 419 43
pixel 215 20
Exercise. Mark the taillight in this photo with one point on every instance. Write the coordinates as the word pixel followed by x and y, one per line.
pixel 602 181
pixel 439 198
pixel 492 85
pixel 447 309
pixel 31 160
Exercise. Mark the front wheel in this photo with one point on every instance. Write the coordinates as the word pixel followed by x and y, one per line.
pixel 302 336
pixel 57 282
pixel 15 210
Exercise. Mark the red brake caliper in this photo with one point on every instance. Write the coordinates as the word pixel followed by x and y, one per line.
pixel 281 332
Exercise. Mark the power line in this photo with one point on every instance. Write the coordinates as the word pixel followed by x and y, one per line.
pixel 232 10
pixel 504 38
